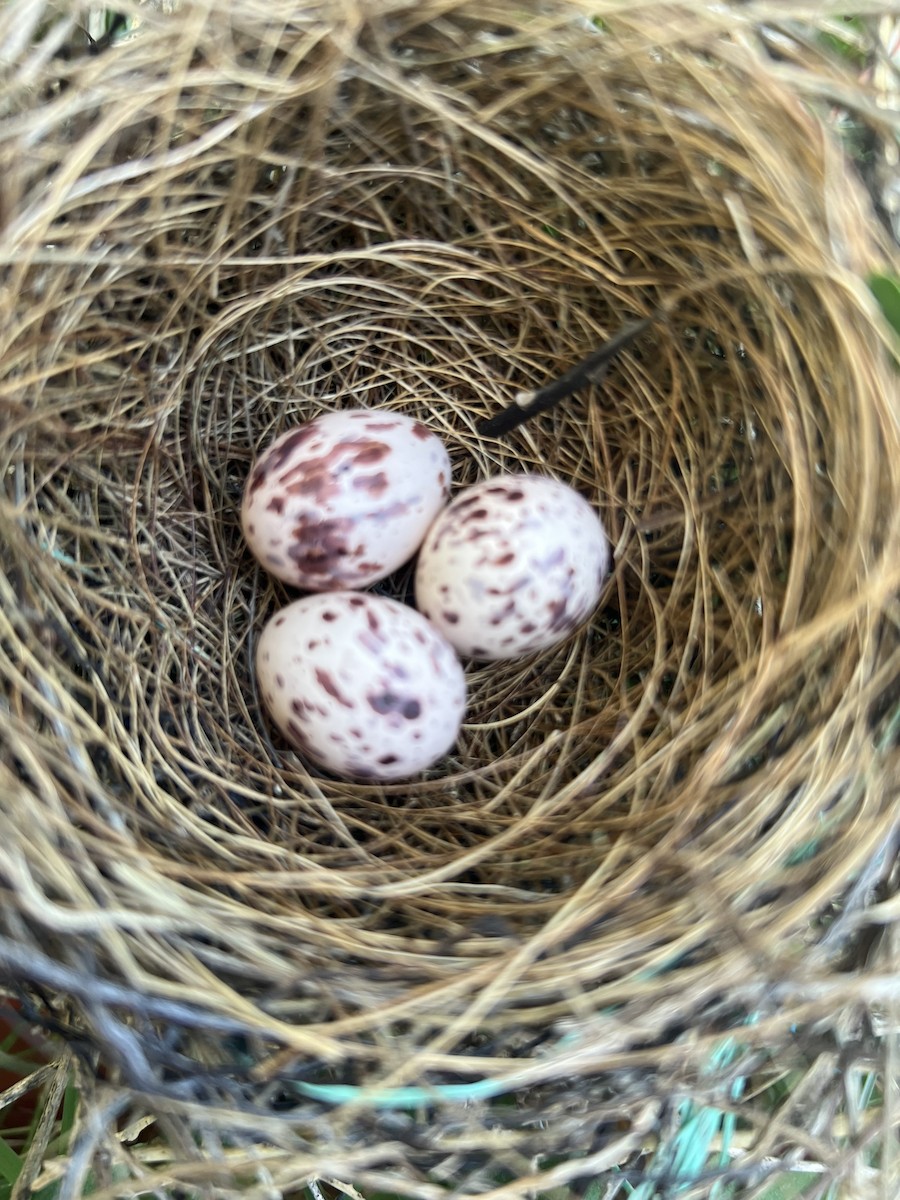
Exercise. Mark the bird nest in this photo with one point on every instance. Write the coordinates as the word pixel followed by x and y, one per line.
pixel 644 872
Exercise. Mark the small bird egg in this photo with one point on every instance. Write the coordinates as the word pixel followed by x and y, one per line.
pixel 512 565
pixel 345 499
pixel 360 684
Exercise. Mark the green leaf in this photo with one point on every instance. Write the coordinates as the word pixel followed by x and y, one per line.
pixel 791 1186
pixel 17 1064
pixel 69 1109
pixel 844 50
pixel 886 290
pixel 10 1163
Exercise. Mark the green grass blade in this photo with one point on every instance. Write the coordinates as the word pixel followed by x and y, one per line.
pixel 10 1166
pixel 886 290
pixel 791 1186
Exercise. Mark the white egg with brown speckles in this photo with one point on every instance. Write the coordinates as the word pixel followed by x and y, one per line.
pixel 512 565
pixel 345 499
pixel 361 685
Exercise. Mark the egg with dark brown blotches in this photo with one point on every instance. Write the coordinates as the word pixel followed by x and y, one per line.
pixel 512 565
pixel 345 499
pixel 361 685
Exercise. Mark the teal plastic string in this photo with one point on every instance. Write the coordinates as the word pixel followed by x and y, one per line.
pixel 406 1097
pixel 686 1156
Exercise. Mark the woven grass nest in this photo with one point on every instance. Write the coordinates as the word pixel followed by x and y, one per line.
pixel 642 885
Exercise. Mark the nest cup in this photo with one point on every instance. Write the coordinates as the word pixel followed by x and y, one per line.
pixel 237 217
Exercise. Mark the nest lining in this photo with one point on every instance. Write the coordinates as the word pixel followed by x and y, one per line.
pixel 426 215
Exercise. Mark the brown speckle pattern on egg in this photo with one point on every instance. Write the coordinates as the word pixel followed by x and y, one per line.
pixel 345 499
pixel 512 565
pixel 360 684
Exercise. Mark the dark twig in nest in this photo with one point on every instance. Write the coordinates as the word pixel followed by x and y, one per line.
pixel 590 370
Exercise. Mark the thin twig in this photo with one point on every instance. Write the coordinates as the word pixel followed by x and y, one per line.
pixel 33 1161
pixel 590 370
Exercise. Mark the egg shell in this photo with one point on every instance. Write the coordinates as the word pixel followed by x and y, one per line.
pixel 512 565
pixel 360 684
pixel 345 499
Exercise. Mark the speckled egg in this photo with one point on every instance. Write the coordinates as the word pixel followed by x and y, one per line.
pixel 512 565
pixel 345 499
pixel 362 685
